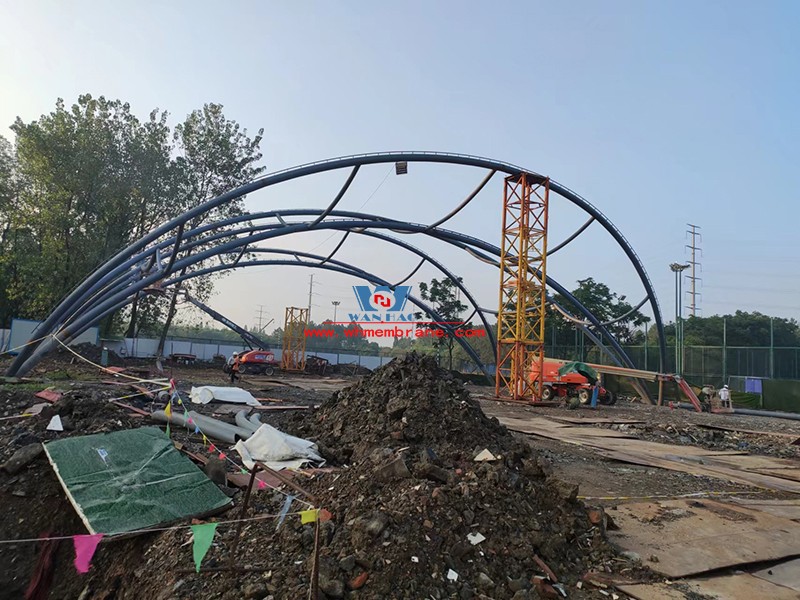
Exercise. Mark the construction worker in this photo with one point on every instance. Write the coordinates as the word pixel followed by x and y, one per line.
pixel 233 363
pixel 725 397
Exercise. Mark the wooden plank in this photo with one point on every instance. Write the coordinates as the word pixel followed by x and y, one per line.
pixel 652 591
pixel 599 437
pixel 792 474
pixel 682 464
pixel 724 587
pixel 689 537
pixel 597 421
pixel 133 409
pixel 686 459
pixel 788 509
pixel 791 437
pixel 755 462
pixel 739 585
pixel 786 574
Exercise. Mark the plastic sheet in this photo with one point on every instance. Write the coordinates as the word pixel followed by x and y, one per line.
pixel 130 480
pixel 207 393
pixel 277 450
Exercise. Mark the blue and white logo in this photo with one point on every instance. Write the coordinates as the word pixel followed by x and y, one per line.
pixel 381 303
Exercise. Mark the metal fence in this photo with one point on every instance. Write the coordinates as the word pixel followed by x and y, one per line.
pixel 709 364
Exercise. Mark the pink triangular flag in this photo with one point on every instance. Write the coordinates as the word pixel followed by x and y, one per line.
pixel 85 545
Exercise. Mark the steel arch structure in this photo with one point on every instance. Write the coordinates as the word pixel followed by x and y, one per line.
pixel 155 257
pixel 110 298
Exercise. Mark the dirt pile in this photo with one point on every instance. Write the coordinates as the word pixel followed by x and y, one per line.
pixel 408 403
pixel 415 516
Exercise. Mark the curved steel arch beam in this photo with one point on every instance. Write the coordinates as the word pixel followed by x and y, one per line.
pixel 336 266
pixel 79 293
pixel 457 239
pixel 605 323
pixel 339 196
pixel 444 270
pixel 252 230
pixel 466 201
pixel 413 272
pixel 339 245
pixel 427 230
pixel 84 322
pixel 578 231
pixel 632 256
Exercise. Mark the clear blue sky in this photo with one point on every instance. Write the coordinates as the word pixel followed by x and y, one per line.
pixel 659 113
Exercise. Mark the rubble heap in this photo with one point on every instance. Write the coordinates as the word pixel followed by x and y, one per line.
pixel 416 516
pixel 408 403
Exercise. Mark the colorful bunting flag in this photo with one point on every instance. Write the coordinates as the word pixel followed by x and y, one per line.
pixel 202 535
pixel 85 545
pixel 324 515
pixel 308 516
pixel 212 448
pixel 222 456
pixel 262 484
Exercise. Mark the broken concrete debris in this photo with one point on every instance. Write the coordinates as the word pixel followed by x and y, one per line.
pixel 22 458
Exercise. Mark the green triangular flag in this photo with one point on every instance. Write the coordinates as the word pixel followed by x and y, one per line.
pixel 203 536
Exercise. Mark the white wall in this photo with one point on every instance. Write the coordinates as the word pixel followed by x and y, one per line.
pixel 146 348
pixel 22 331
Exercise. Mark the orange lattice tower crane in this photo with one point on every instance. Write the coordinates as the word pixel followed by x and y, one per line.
pixel 523 262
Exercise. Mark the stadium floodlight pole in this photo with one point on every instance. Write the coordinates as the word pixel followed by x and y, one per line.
pixel 678 268
pixel 336 304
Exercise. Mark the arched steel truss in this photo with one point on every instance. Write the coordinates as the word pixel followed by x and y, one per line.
pixel 319 262
pixel 167 249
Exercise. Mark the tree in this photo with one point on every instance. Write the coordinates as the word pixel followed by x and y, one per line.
pixel 444 298
pixel 16 248
pixel 741 329
pixel 215 156
pixel 158 188
pixel 607 306
pixel 77 198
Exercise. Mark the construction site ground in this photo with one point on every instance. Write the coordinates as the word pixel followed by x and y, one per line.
pixel 652 470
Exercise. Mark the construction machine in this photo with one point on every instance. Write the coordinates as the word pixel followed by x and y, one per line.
pixel 259 360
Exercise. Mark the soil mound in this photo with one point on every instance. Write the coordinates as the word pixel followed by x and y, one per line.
pixel 409 402
pixel 416 516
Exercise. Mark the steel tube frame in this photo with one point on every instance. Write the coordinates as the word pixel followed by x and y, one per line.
pixel 102 276
pixel 119 299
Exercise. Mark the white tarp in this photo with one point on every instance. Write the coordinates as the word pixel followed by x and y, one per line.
pixel 207 393
pixel 277 450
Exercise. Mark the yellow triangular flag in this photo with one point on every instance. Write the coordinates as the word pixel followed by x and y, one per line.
pixel 168 409
pixel 308 516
